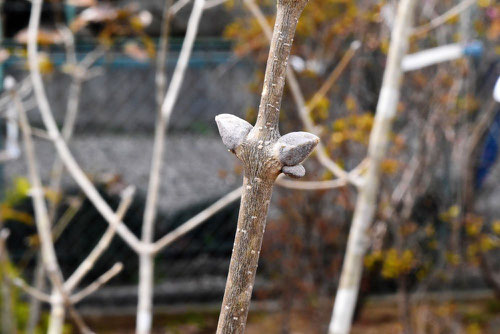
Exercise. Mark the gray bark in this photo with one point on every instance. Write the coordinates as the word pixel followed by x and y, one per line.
pixel 263 154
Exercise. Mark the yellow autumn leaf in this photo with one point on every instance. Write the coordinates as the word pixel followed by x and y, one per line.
pixel 389 166
pixel 452 258
pixel 484 3
pixel 350 103
pixel 8 213
pixel 496 227
pixel 337 138
pixel 450 214
pixel 487 243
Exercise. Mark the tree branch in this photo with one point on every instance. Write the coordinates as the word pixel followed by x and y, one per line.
pixel 366 204
pixel 103 279
pixel 62 149
pixel 310 185
pixel 41 215
pixel 441 19
pixel 197 220
pixel 102 245
pixel 264 154
pixel 302 107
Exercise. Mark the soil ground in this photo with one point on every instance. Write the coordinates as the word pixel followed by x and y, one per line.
pixel 468 317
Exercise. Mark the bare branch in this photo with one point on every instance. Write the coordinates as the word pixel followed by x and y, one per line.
pixel 35 293
pixel 303 109
pixel 164 118
pixel 197 220
pixel 263 154
pixel 213 3
pixel 161 58
pixel 311 185
pixel 102 245
pixel 441 19
pixel 41 215
pixel 176 7
pixel 352 267
pixel 333 77
pixel 7 315
pixel 103 279
pixel 72 166
pixel 144 317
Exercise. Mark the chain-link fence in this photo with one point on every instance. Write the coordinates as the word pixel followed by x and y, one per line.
pixel 113 141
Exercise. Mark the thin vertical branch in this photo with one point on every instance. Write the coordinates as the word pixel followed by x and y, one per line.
pixel 7 316
pixel 350 278
pixel 62 149
pixel 302 107
pixel 146 267
pixel 161 58
pixel 60 297
pixel 264 154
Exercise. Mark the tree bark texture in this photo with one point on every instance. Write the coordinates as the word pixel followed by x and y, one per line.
pixel 264 155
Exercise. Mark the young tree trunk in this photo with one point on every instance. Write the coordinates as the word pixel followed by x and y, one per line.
pixel 35 304
pixel 352 268
pixel 7 320
pixel 57 314
pixel 146 259
pixel 264 155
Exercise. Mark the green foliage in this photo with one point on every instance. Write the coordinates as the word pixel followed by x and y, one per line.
pixel 18 191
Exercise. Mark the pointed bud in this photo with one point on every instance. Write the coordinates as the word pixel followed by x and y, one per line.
pixel 295 172
pixel 294 147
pixel 232 129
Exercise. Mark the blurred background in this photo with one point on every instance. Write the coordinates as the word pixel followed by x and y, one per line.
pixel 433 264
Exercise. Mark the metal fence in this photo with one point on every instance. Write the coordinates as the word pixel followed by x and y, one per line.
pixel 113 143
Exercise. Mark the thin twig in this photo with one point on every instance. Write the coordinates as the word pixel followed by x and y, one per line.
pixel 441 19
pixel 69 161
pixel 163 121
pixel 72 166
pixel 35 293
pixel 176 7
pixel 103 279
pixel 197 220
pixel 7 316
pixel 334 75
pixel 209 4
pixel 161 58
pixel 264 155
pixel 146 263
pixel 102 245
pixel 310 185
pixel 41 215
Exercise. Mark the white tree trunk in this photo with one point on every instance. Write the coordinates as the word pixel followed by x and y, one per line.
pixel 144 319
pixel 57 315
pixel 352 268
pixel 146 259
